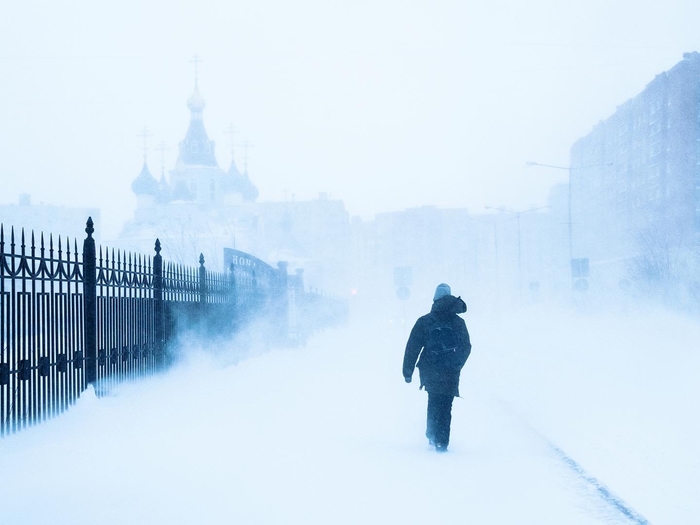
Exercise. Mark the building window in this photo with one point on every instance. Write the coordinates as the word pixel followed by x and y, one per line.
pixel 622 129
pixel 654 150
pixel 654 128
pixel 193 147
pixel 212 190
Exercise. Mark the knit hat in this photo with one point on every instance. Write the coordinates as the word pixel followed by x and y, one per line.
pixel 441 291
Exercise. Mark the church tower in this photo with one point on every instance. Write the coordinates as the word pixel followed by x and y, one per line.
pixel 197 177
pixel 238 186
pixel 145 186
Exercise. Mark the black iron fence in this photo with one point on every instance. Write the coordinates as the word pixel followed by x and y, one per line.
pixel 70 319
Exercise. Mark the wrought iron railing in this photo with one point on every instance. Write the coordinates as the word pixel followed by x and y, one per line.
pixel 68 320
pixel 41 338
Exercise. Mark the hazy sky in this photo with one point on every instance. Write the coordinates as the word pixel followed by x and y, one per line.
pixel 385 104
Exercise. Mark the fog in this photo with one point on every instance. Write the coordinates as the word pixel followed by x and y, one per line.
pixel 389 142
pixel 331 433
pixel 344 98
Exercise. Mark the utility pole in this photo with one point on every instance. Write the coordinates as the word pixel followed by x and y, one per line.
pixel 517 214
pixel 569 169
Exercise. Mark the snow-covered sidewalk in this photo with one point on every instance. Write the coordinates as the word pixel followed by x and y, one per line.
pixel 328 433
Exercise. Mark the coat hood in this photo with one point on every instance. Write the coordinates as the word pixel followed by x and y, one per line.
pixel 449 304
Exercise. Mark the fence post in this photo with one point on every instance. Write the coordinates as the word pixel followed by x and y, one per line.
pixel 299 282
pixel 202 280
pixel 90 298
pixel 158 307
pixel 202 288
pixel 282 296
pixel 233 297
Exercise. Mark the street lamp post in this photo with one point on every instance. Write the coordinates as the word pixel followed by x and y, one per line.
pixel 569 221
pixel 495 253
pixel 568 169
pixel 517 214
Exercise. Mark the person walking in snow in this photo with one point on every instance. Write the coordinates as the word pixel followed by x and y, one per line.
pixel 439 342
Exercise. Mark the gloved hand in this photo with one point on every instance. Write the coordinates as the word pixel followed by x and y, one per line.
pixel 407 379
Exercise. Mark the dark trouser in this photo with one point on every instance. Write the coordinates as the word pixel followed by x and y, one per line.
pixel 439 418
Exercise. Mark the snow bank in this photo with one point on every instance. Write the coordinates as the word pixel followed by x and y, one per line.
pixel 616 390
pixel 330 433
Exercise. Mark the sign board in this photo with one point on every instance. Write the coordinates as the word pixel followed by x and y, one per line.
pixel 403 276
pixel 403 293
pixel 579 268
pixel 238 258
pixel 581 285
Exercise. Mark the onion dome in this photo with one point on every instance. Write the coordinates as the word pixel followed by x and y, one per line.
pixel 163 189
pixel 237 182
pixel 248 189
pixel 230 180
pixel 196 103
pixel 181 192
pixel 145 183
pixel 196 149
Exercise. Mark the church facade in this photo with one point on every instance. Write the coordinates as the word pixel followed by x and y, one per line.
pixel 202 208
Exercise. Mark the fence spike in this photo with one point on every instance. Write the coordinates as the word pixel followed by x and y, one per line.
pixel 89 227
pixel 68 254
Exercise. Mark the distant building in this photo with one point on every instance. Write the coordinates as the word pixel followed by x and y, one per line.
pixel 204 209
pixel 635 179
pixel 413 249
pixel 490 258
pixel 60 221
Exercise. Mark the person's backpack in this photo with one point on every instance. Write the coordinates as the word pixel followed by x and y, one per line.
pixel 442 344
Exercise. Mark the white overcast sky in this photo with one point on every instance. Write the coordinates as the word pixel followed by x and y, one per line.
pixel 386 104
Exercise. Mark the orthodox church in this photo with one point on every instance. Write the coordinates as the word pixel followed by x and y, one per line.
pixel 200 208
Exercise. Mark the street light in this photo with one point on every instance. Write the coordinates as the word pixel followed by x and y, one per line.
pixel 568 169
pixel 517 214
pixel 495 253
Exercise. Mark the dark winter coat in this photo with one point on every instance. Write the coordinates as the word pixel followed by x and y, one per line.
pixel 438 378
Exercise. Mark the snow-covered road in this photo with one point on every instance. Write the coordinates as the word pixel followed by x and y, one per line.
pixel 328 433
